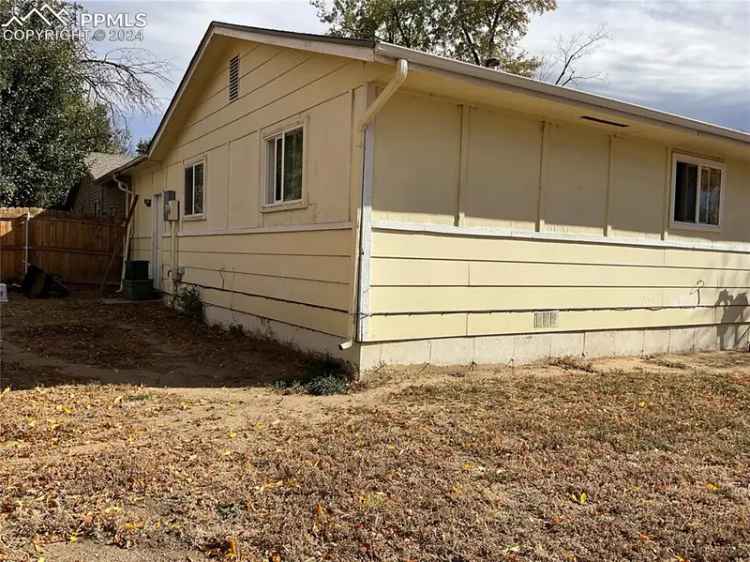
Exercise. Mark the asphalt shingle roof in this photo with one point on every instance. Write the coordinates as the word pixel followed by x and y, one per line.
pixel 100 163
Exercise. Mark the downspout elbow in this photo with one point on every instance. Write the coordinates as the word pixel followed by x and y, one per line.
pixel 120 185
pixel 399 77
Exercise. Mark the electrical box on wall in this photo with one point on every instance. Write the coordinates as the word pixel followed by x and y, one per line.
pixel 172 210
pixel 171 206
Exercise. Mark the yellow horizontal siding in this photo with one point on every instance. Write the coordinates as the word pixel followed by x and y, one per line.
pixel 290 71
pixel 255 115
pixel 430 285
pixel 447 299
pixel 311 317
pixel 316 293
pixel 398 272
pixel 336 269
pixel 252 66
pixel 421 326
pixel 468 247
pixel 310 243
pixel 303 276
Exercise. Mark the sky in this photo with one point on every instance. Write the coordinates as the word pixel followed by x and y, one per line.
pixel 689 57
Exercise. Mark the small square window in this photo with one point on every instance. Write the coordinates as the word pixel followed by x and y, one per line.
pixel 194 189
pixel 284 165
pixel 696 192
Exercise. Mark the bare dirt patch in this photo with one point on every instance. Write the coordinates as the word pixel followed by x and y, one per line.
pixel 149 340
pixel 623 460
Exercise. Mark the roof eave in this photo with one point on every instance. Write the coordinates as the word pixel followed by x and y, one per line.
pixel 350 48
pixel 122 169
pixel 529 86
pixel 372 51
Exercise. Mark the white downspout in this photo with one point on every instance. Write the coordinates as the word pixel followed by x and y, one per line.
pixel 175 273
pixel 365 217
pixel 128 232
pixel 26 247
pixel 402 71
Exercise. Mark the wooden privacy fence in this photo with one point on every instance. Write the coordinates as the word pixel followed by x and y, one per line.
pixel 75 247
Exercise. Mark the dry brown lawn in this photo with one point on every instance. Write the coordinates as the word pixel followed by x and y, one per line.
pixel 130 434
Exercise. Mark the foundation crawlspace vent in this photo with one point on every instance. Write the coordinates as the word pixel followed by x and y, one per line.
pixel 546 319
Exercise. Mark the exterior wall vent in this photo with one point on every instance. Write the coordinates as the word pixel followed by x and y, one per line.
pixel 234 78
pixel 603 121
pixel 546 319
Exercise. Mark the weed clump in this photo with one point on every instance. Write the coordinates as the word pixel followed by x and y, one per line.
pixel 321 376
pixel 570 363
pixel 188 302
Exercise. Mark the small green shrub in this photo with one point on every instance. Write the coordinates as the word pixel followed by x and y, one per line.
pixel 321 376
pixel 188 302
pixel 327 385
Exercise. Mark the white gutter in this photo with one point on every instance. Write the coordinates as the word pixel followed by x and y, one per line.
pixel 128 230
pixel 365 222
pixel 557 93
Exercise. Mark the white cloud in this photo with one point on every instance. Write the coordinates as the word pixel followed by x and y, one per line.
pixel 690 57
pixel 687 57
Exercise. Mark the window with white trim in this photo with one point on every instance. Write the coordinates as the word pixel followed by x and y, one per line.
pixel 284 165
pixel 194 189
pixel 697 187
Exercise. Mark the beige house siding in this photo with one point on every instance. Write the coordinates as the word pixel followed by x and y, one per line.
pixel 496 225
pixel 291 270
pixel 474 235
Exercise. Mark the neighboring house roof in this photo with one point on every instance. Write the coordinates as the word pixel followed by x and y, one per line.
pixel 377 51
pixel 98 165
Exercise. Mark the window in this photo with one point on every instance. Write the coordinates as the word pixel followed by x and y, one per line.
pixel 284 157
pixel 234 78
pixel 194 189
pixel 696 194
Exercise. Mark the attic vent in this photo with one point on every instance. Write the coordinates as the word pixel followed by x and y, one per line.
pixel 234 78
pixel 546 319
pixel 603 121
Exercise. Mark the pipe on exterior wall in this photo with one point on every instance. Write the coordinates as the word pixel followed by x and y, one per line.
pixel 26 263
pixel 365 207
pixel 402 71
pixel 174 272
pixel 128 232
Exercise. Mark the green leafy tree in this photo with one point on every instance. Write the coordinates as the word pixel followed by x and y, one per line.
pixel 142 146
pixel 483 32
pixel 59 101
pixel 46 128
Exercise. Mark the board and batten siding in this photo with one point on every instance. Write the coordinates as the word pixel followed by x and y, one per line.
pixel 290 266
pixel 482 218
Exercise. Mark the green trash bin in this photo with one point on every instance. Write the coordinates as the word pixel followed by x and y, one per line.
pixel 139 289
pixel 136 270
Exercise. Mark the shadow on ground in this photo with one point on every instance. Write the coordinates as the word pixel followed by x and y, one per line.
pixel 78 340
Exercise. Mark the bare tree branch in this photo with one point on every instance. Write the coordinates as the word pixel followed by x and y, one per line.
pixel 569 52
pixel 493 27
pixel 123 79
pixel 467 36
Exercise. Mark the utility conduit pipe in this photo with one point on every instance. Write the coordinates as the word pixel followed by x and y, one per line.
pixel 128 230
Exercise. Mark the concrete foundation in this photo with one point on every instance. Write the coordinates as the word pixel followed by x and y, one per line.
pixel 294 336
pixel 527 348
pixel 511 349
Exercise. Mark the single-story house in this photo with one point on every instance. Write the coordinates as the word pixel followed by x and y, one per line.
pixel 96 194
pixel 391 206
